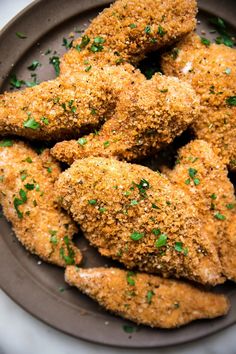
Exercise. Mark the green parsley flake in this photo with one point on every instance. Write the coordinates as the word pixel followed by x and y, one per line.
pixel 31 123
pixel 230 206
pixel 33 66
pixel 55 61
pixel 84 42
pixel 28 159
pixel 45 120
pixel 97 45
pixel 231 101
pixel 161 31
pixel 82 141
pixel 219 216
pixel 129 329
pixel 106 144
pixel 150 294
pixel 92 201
pixel 175 53
pixel 192 172
pixel 29 186
pixel 205 41
pixel 228 71
pixel 178 246
pixel 129 278
pixel 196 181
pixel 6 143
pixel 142 187
pixel 156 232
pixel 21 35
pixel 69 257
pixel 187 181
pixel 132 25
pixel 88 68
pixel 136 236
pixel 147 29
pixel 67 43
pixel 134 202
pixel 162 240
pixel 213 196
pixel 14 82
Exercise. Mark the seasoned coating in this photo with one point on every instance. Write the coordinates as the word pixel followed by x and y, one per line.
pixel 135 215
pixel 28 199
pixel 58 109
pixel 147 299
pixel 201 174
pixel 211 70
pixel 130 29
pixel 82 98
pixel 147 117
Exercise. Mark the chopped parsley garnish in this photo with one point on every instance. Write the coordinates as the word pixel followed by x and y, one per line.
pixel 129 329
pixel 53 239
pixel 187 181
pixel 150 294
pixel 161 241
pixel 14 82
pixel 45 120
pixel 97 45
pixel 102 210
pixel 33 66
pixel 88 68
pixel 84 42
pixel 225 37
pixel 129 278
pixel 134 202
pixel 164 90
pixel 92 201
pixel 69 257
pixel 205 41
pixel 142 187
pixel 196 181
pixel 136 236
pixel 23 175
pixel 154 206
pixel 93 111
pixel 49 169
pixel 147 29
pixel 6 143
pixel 82 141
pixel 106 144
pixel 192 172
pixel 66 43
pixel 228 71
pixel 178 246
pixel 23 195
pixel 55 61
pixel 161 31
pixel 21 35
pixel 19 201
pixel 213 196
pixel 31 123
pixel 230 206
pixel 219 216
pixel 29 186
pixel 156 232
pixel 132 25
pixel 231 101
pixel 28 159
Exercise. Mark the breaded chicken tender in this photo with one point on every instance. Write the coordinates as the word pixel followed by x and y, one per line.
pixel 147 299
pixel 83 97
pixel 28 199
pixel 201 174
pixel 130 29
pixel 136 216
pixel 211 70
pixel 147 117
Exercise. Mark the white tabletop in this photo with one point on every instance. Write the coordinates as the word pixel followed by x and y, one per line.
pixel 20 333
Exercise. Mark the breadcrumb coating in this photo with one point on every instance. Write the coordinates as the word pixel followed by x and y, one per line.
pixel 136 216
pixel 211 70
pixel 148 116
pixel 28 199
pixel 202 175
pixel 129 29
pixel 147 299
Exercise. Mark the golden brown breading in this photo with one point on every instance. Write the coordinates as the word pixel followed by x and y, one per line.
pixel 211 70
pixel 130 29
pixel 201 174
pixel 147 299
pixel 58 109
pixel 135 215
pixel 148 115
pixel 28 199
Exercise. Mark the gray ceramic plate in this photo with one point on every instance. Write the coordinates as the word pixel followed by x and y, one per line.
pixel 40 288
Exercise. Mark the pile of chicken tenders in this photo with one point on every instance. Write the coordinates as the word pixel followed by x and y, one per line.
pixel 174 231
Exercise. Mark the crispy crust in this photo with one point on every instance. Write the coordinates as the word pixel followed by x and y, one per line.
pixel 152 301
pixel 213 195
pixel 206 69
pixel 148 116
pixel 41 217
pixel 133 28
pixel 105 197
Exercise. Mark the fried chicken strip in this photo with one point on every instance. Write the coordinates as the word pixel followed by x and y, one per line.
pixel 201 174
pixel 136 216
pixel 82 99
pixel 211 70
pixel 147 117
pixel 28 200
pixel 147 299
pixel 128 30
